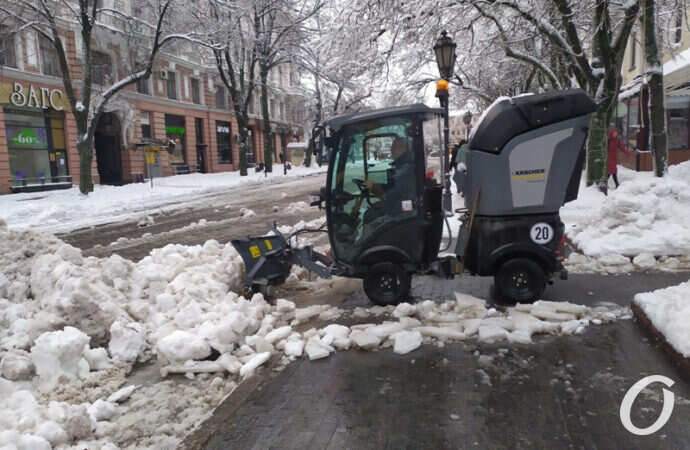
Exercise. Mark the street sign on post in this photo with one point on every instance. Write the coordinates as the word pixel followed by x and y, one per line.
pixel 150 152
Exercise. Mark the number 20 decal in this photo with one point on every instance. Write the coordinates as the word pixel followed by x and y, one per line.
pixel 541 233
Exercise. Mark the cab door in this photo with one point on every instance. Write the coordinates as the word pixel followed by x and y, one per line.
pixel 372 198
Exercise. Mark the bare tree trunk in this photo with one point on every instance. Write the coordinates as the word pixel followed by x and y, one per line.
pixel 268 140
pixel 317 120
pixel 655 80
pixel 244 137
pixel 85 149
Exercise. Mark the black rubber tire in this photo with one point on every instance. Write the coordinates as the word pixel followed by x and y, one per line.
pixel 387 284
pixel 519 280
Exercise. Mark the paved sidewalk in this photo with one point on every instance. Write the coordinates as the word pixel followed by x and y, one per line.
pixel 561 392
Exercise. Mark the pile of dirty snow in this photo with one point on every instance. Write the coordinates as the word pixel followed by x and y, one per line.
pixel 669 311
pixel 645 215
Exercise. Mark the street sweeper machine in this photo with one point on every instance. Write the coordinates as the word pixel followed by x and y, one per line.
pixel 384 193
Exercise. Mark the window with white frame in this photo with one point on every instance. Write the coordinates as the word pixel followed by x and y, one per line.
pixel 102 68
pixel 196 90
pixel 143 86
pixel 8 57
pixel 221 98
pixel 145 122
pixel 171 85
pixel 50 64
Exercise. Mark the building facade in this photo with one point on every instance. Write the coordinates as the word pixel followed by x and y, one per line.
pixel 184 102
pixel 632 116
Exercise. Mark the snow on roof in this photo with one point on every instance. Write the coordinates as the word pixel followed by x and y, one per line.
pixel 630 89
pixel 677 62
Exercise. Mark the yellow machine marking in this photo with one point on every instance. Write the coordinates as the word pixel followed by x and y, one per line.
pixel 254 250
pixel 532 176
pixel 268 244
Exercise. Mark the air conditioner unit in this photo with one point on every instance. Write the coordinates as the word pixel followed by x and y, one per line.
pixel 163 74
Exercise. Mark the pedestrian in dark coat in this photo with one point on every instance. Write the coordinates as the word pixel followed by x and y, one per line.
pixel 615 144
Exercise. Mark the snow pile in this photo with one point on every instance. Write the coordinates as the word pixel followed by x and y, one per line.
pixel 669 311
pixel 56 304
pixel 644 215
pixel 71 328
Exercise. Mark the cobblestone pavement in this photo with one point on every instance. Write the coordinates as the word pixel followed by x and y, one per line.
pixel 560 392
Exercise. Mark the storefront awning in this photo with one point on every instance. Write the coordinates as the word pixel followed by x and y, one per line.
pixel 677 71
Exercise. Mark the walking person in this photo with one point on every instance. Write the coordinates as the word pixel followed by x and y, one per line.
pixel 615 143
pixel 457 162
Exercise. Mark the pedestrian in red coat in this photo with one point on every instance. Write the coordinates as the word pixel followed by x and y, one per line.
pixel 615 144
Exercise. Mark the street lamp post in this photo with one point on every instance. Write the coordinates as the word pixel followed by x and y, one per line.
pixel 445 58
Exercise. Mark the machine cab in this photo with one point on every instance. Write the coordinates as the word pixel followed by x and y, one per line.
pixel 383 204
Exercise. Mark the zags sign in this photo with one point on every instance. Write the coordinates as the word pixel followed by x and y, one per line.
pixel 36 98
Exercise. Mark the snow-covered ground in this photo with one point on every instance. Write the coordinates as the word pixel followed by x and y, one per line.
pixel 72 330
pixel 669 311
pixel 66 210
pixel 644 224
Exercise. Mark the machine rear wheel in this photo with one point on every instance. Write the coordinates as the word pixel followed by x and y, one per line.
pixel 520 280
pixel 387 284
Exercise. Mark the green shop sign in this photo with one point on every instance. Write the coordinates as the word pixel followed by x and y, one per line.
pixel 175 130
pixel 27 137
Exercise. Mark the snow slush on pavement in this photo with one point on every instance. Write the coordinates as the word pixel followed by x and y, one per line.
pixel 384 204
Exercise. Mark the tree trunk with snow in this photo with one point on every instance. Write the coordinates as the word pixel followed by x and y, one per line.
pixel 597 147
pixel 655 81
pixel 268 139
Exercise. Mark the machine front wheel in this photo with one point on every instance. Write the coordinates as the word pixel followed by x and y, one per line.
pixel 387 284
pixel 520 280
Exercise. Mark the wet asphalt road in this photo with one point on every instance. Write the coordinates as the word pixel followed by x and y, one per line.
pixel 560 392
pixel 222 211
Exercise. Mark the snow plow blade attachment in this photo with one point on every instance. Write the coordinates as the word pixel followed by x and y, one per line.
pixel 268 259
pixel 265 259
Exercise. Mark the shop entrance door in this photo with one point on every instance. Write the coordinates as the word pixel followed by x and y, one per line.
pixel 107 143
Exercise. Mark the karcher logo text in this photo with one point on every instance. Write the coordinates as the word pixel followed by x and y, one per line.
pixel 529 174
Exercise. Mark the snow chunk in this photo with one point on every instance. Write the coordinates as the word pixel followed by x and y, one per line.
pixel 52 432
pixel 492 333
pixel 16 366
pixel 250 366
pixel 669 311
pixel 294 347
pixel 404 310
pixel 59 354
pixel 127 341
pixel 406 341
pixel 644 261
pixel 97 358
pixel 284 306
pixel 102 410
pixel 365 340
pixel 278 334
pixel 121 395
pixel 182 346
pixel 316 349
